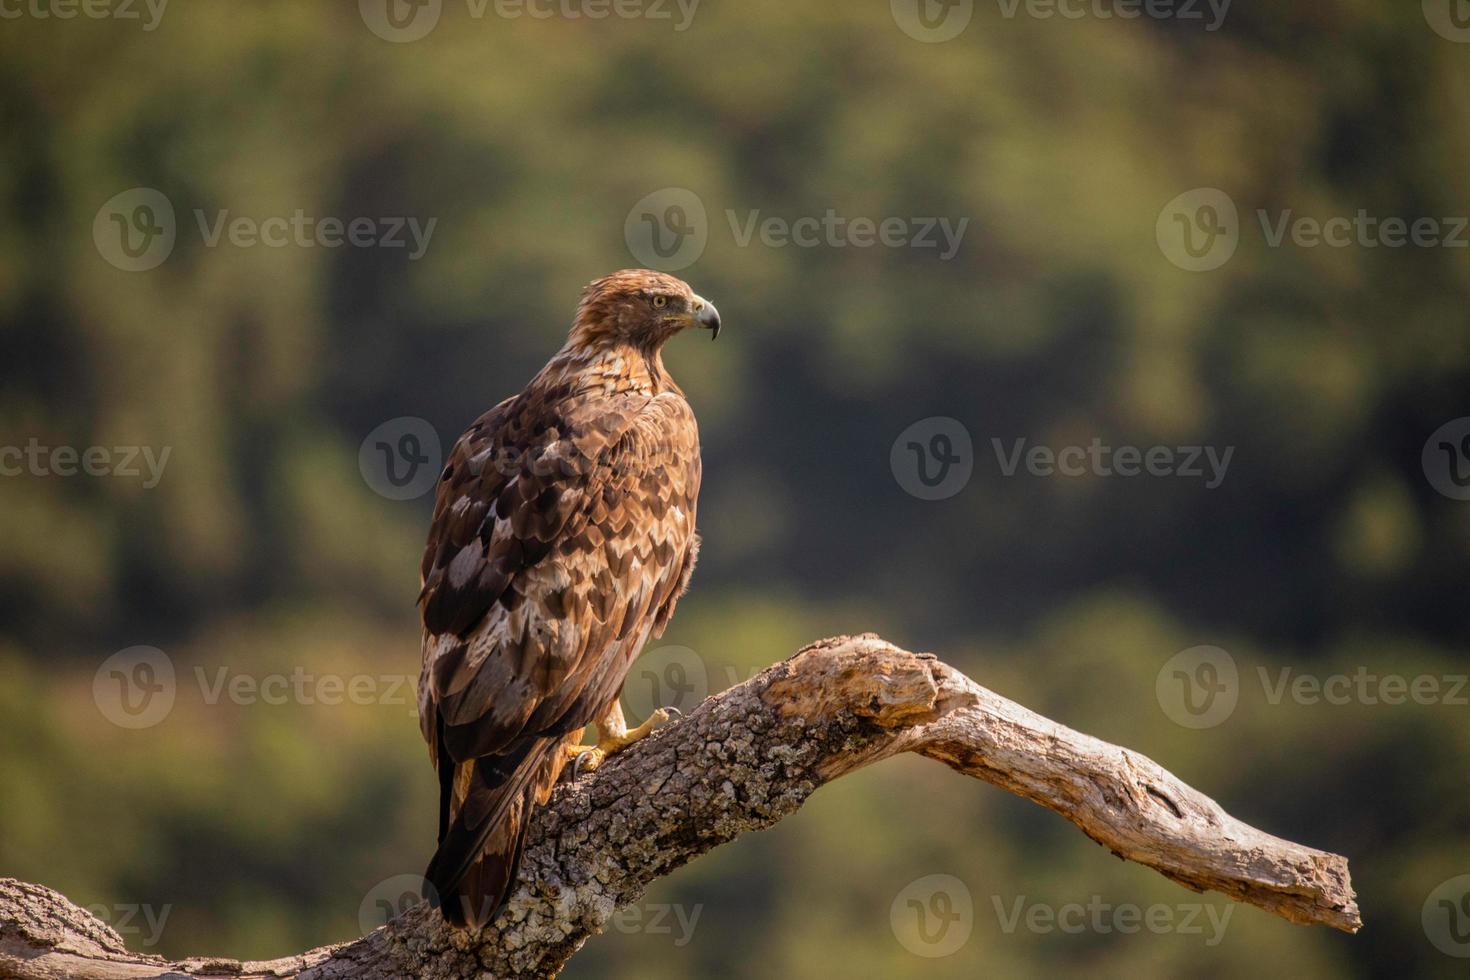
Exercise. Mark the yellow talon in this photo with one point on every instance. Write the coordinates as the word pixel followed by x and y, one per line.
pixel 613 737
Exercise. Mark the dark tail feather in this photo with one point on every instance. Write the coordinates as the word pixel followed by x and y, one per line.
pixel 472 872
pixel 479 895
pixel 446 778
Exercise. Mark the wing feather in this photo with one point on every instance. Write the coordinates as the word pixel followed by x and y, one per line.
pixel 563 533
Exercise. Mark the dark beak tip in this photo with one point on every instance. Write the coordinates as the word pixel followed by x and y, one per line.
pixel 709 317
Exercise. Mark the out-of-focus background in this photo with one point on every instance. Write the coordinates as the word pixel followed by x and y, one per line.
pixel 947 239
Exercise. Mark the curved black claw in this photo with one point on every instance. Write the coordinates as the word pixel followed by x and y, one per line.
pixel 577 763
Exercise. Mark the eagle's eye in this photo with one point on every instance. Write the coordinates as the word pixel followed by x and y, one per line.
pixel 659 302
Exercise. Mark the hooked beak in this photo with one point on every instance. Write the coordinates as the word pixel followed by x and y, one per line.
pixel 707 316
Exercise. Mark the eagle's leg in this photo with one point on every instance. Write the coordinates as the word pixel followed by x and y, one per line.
pixel 613 735
pixel 574 745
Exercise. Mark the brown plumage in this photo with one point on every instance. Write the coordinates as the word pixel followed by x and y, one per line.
pixel 563 535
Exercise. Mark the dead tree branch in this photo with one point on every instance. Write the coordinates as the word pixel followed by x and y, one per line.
pixel 740 762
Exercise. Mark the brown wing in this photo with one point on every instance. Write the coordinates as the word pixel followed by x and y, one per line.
pixel 563 533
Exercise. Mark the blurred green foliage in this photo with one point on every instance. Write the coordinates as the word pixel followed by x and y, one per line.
pixel 262 550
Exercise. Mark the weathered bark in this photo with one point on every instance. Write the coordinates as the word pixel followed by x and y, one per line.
pixel 740 762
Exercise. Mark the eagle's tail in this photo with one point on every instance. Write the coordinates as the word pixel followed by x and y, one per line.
pixel 471 874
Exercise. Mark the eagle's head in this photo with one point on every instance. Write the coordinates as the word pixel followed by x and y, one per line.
pixel 639 307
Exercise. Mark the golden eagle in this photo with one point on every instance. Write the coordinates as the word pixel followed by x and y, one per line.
pixel 563 535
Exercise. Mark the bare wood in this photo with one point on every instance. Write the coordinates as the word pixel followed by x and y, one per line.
pixel 740 762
